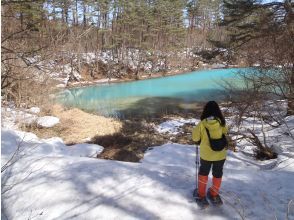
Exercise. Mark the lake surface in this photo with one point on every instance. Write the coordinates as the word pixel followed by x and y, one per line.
pixel 152 96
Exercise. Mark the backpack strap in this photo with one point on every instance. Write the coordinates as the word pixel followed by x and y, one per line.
pixel 207 131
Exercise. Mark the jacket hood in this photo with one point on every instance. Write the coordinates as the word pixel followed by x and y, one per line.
pixel 211 124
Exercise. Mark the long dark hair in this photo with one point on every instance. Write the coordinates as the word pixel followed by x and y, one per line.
pixel 212 109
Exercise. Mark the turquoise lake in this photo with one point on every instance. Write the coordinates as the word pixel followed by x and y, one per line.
pixel 151 96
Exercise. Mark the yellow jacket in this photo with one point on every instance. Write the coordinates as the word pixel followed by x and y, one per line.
pixel 215 131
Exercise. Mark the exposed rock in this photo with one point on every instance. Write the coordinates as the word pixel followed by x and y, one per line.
pixel 218 65
pixel 34 110
pixel 47 121
pixel 61 85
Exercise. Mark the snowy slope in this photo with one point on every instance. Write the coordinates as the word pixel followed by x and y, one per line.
pixel 53 181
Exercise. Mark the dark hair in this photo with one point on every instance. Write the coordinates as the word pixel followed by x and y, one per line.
pixel 212 109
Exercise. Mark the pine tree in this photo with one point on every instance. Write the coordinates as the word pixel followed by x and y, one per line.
pixel 264 33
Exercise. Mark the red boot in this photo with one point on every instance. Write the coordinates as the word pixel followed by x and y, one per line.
pixel 213 192
pixel 201 197
pixel 216 184
pixel 202 182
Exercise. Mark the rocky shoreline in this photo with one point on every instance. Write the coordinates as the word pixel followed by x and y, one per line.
pixel 173 72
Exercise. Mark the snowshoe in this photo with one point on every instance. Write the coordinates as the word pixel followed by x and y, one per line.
pixel 201 202
pixel 215 200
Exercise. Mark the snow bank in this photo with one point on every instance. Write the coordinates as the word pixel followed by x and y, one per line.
pixel 27 144
pixel 160 187
pixel 11 117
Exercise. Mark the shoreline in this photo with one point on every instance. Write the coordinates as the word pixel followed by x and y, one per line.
pixel 108 81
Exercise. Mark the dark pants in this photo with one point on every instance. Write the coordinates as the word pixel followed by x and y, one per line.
pixel 217 168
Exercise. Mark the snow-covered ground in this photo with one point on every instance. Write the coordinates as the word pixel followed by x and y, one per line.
pixel 49 180
pixel 15 117
pixel 174 126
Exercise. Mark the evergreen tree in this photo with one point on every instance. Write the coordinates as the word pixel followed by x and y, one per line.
pixel 263 33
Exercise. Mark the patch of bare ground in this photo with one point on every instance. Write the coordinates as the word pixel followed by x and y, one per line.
pixel 77 126
pixel 122 140
pixel 131 142
pixel 137 134
pixel 185 137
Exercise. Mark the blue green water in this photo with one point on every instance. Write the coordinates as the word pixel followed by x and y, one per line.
pixel 151 95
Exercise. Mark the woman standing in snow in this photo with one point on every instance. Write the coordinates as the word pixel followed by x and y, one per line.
pixel 211 127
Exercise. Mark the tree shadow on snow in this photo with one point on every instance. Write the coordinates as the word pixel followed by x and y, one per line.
pixel 89 188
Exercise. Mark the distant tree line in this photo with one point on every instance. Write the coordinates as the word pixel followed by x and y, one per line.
pixel 118 24
pixel 36 33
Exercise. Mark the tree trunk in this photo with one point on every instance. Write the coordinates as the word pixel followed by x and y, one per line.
pixel 84 15
pixel 77 13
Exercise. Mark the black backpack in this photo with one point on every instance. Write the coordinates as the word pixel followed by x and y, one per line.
pixel 217 144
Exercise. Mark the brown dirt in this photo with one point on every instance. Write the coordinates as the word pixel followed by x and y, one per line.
pixel 131 143
pixel 77 126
